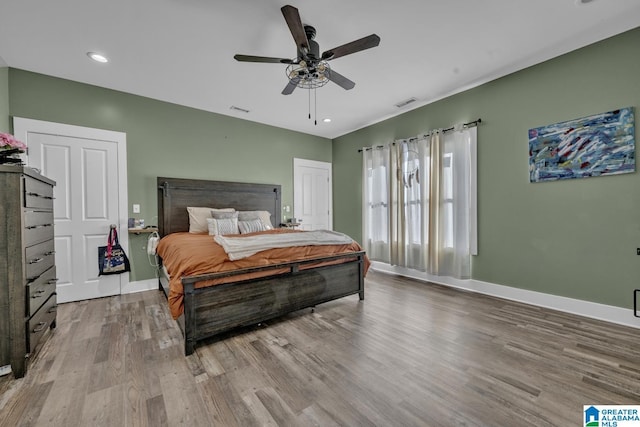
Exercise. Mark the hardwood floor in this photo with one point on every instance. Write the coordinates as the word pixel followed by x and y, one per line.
pixel 411 354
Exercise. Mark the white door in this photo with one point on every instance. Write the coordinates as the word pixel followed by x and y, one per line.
pixel 86 165
pixel 312 196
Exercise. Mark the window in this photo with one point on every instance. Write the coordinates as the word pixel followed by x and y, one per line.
pixel 447 200
pixel 416 220
pixel 378 227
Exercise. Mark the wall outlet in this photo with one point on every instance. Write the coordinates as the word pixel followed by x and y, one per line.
pixel 136 209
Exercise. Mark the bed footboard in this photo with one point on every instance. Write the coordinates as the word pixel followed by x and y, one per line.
pixel 212 310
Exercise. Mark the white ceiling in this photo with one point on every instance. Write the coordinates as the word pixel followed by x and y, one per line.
pixel 181 51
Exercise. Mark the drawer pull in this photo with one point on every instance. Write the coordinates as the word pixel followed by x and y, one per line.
pixel 38 294
pixel 35 260
pixel 31 193
pixel 53 281
pixel 49 253
pixel 53 309
pixel 41 326
pixel 33 227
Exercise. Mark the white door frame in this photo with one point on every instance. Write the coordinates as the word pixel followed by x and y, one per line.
pixel 297 184
pixel 22 127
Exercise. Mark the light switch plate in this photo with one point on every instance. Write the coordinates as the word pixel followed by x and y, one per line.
pixel 136 208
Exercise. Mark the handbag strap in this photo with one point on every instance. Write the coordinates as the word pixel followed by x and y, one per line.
pixel 115 236
pixel 112 240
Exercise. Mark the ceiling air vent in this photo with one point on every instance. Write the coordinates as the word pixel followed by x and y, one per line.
pixel 405 102
pixel 233 107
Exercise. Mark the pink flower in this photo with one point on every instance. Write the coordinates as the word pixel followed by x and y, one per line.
pixel 8 141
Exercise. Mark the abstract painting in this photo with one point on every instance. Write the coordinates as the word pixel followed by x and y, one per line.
pixel 602 144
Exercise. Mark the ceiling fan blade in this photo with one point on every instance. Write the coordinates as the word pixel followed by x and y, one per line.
pixel 367 42
pixel 292 16
pixel 267 59
pixel 341 80
pixel 293 83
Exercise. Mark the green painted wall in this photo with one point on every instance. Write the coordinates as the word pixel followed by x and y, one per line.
pixel 574 238
pixel 165 139
pixel 4 100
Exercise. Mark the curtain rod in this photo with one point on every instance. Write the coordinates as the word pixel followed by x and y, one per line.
pixel 449 129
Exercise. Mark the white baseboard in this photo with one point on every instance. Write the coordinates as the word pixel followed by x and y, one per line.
pixel 5 370
pixel 609 313
pixel 141 286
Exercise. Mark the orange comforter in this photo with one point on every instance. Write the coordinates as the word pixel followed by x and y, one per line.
pixel 188 254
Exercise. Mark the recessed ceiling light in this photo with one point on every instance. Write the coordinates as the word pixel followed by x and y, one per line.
pixel 327 120
pixel 97 57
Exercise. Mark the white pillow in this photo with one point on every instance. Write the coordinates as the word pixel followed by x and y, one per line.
pixel 251 226
pixel 222 226
pixel 198 218
pixel 264 216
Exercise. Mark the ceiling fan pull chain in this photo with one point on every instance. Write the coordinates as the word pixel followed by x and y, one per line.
pixel 315 107
pixel 309 93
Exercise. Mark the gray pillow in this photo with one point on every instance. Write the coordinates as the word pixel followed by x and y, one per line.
pixel 224 215
pixel 265 216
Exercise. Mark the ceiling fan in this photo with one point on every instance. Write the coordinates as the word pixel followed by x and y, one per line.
pixel 310 69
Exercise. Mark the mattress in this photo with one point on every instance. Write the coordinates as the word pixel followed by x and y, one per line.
pixel 187 255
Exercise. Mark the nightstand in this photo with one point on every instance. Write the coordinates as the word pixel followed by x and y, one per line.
pixel 292 225
pixel 143 230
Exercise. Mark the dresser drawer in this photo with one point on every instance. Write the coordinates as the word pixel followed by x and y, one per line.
pixel 40 322
pixel 37 194
pixel 40 289
pixel 38 227
pixel 39 258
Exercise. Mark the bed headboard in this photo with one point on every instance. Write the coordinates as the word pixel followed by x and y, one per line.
pixel 175 194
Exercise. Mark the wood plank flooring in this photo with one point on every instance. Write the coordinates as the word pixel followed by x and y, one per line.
pixel 411 354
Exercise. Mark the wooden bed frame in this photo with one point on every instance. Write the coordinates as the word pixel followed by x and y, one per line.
pixel 209 311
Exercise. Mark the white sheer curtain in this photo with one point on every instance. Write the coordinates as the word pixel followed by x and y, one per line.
pixel 419 202
pixel 376 165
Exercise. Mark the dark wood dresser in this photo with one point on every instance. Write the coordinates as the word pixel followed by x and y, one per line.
pixel 27 265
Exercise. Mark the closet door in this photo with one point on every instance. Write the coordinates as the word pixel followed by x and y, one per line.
pixel 312 194
pixel 87 201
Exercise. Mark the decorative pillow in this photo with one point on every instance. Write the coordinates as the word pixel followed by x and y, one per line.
pixel 198 218
pixel 251 226
pixel 264 216
pixel 222 226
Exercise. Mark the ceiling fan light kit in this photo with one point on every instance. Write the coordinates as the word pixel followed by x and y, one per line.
pixel 310 69
pixel 308 78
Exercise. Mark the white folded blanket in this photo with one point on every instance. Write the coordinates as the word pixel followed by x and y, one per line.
pixel 242 247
